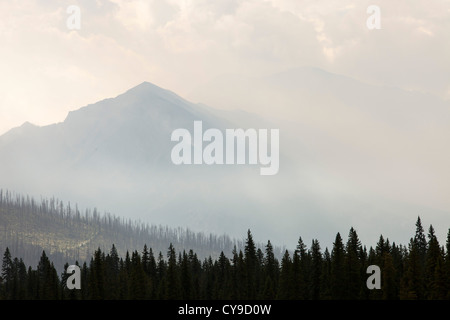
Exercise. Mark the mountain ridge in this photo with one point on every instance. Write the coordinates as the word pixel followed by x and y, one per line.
pixel 340 155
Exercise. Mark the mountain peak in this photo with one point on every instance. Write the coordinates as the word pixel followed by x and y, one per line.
pixel 25 128
pixel 147 87
pixel 28 124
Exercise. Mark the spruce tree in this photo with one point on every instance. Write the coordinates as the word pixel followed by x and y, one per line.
pixel 138 279
pixel 186 281
pixel 420 243
pixel 161 292
pixel 325 280
pixel 97 276
pixel 223 279
pixel 250 262
pixel 296 277
pixel 111 269
pixel 446 266
pixel 285 291
pixel 7 274
pixel 271 271
pixel 316 270
pixel 338 274
pixel 412 281
pixel 353 266
pixel 196 271
pixel 305 269
pixel 388 282
pixel 172 276
pixel 433 254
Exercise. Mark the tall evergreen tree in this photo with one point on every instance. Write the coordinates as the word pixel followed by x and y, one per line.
pixel 97 276
pixel 271 273
pixel 139 281
pixel 439 289
pixel 353 266
pixel 338 274
pixel 446 267
pixel 250 261
pixel 186 281
pixel 326 276
pixel 161 292
pixel 7 274
pixel 196 270
pixel 433 255
pixel 48 282
pixel 111 271
pixel 389 285
pixel 172 276
pixel 305 269
pixel 420 243
pixel 285 289
pixel 316 270
pixel 412 286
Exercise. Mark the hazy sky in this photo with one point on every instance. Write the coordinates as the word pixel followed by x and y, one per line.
pixel 47 69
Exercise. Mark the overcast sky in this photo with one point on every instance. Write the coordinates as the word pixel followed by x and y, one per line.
pixel 47 70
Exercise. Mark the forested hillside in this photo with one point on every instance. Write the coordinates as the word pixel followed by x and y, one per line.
pixel 419 271
pixel 27 227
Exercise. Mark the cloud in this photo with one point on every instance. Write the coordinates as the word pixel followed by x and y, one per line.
pixel 179 44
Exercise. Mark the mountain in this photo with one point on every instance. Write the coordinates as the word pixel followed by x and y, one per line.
pixel 351 154
pixel 115 155
pixel 28 227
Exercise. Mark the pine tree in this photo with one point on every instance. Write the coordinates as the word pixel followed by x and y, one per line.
pixel 325 281
pixel 7 274
pixel 196 271
pixel 338 275
pixel 146 259
pixel 296 277
pixel 186 281
pixel 413 282
pixel 433 254
pixel 353 266
pixel 259 273
pixel 223 279
pixel 420 242
pixel 305 269
pixel 172 276
pixel 285 283
pixel 161 276
pixel 138 279
pixel 207 282
pixel 123 290
pixel 398 260
pixel 439 289
pixel 85 294
pixel 446 267
pixel 97 276
pixel 111 269
pixel 32 284
pixel 48 282
pixel 250 262
pixel 271 271
pixel 389 285
pixel 239 275
pixel 316 270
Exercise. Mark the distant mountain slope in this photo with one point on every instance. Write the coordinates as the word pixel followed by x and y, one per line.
pixel 27 227
pixel 115 155
pixel 350 154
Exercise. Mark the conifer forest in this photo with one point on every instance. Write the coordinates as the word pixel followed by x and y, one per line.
pixel 418 270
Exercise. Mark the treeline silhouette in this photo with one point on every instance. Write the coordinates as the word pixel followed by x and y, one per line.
pixel 419 271
pixel 28 227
